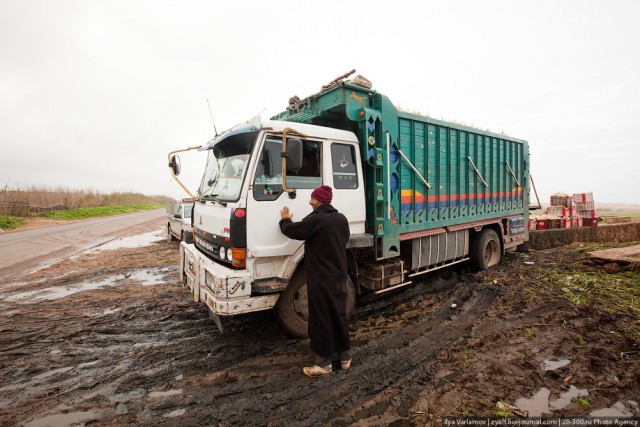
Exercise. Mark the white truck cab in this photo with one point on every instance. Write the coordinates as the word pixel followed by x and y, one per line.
pixel 240 262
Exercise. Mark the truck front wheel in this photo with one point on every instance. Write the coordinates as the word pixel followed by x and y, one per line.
pixel 292 309
pixel 485 250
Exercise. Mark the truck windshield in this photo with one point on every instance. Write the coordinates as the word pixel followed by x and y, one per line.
pixel 227 166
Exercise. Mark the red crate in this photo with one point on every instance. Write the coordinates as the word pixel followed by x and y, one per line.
pixel 561 211
pixel 554 223
pixel 561 200
pixel 585 205
pixel 583 197
pixel 590 213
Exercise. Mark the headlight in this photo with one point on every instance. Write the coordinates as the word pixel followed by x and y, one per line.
pixel 229 255
pixel 222 253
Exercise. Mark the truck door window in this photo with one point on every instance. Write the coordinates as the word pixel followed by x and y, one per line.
pixel 343 162
pixel 268 179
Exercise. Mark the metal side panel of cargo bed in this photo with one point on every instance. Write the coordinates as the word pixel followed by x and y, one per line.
pixel 422 173
pixel 446 174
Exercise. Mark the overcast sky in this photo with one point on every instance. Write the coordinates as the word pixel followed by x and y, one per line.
pixel 94 94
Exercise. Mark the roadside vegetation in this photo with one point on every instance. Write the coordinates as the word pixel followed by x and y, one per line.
pixel 590 285
pixel 612 292
pixel 18 206
pixel 10 222
pixel 83 213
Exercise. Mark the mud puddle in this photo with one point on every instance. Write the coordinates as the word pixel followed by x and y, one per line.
pixel 541 404
pixel 143 277
pixel 135 241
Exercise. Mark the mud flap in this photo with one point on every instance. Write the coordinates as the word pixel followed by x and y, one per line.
pixel 196 290
pixel 215 318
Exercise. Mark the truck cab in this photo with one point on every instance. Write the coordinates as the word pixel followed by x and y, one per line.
pixel 240 261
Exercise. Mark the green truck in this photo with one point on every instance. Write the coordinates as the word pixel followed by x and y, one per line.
pixel 420 194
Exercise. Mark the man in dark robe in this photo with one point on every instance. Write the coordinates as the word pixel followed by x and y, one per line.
pixel 325 232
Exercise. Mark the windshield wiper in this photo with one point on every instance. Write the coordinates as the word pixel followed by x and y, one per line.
pixel 213 181
pixel 214 198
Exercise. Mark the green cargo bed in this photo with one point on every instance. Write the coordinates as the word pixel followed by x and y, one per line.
pixel 422 174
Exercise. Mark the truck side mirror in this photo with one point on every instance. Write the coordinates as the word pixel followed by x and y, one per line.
pixel 293 154
pixel 174 164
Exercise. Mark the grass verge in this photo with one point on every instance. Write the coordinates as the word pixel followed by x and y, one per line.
pixel 9 222
pixel 99 211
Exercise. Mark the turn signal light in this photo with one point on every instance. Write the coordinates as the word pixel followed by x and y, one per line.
pixel 239 257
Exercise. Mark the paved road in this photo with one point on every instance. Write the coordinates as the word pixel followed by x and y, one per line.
pixel 27 248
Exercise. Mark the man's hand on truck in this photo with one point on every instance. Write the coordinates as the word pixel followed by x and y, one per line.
pixel 284 213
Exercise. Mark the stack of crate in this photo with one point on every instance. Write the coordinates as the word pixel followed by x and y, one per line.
pixel 586 208
pixel 567 211
pixel 561 212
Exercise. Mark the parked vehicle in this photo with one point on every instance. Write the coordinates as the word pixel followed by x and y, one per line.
pixel 420 194
pixel 179 220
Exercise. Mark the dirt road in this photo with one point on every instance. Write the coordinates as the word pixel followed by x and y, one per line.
pixel 108 337
pixel 25 247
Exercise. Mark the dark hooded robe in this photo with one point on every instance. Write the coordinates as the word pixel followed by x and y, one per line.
pixel 325 232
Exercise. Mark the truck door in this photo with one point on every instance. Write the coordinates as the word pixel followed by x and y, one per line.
pixel 266 198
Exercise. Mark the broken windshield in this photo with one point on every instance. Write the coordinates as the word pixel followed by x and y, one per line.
pixel 226 167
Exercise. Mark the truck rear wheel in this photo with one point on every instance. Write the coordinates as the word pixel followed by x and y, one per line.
pixel 485 250
pixel 292 309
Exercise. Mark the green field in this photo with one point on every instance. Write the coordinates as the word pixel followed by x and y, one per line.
pixel 632 214
pixel 98 211
pixel 12 222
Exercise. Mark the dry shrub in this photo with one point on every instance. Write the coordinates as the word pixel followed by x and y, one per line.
pixel 42 197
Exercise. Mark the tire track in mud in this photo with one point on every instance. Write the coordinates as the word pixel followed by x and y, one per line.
pixel 288 398
pixel 148 356
pixel 78 360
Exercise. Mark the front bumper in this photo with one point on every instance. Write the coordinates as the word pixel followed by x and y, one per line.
pixel 226 291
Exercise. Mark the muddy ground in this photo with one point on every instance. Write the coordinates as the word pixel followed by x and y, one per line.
pixel 133 349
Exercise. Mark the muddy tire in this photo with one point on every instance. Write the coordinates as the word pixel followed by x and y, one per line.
pixel 485 250
pixel 170 237
pixel 292 309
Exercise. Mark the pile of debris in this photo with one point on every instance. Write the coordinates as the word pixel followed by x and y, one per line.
pixel 567 211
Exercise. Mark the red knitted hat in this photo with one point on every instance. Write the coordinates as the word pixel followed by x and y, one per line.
pixel 323 194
